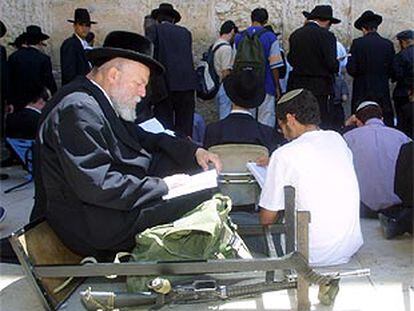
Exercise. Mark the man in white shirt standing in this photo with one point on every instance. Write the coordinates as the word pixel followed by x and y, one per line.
pixel 223 63
pixel 318 164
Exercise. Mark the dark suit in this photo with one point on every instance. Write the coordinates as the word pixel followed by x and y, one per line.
pixel 173 48
pixel 241 128
pixel 403 185
pixel 370 66
pixel 402 68
pixel 29 69
pixel 93 173
pixel 3 86
pixel 22 123
pixel 313 58
pixel 73 60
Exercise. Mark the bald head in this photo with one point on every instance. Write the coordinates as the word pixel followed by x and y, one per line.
pixel 125 83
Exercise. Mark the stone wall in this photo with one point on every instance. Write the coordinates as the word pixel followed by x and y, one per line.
pixel 202 17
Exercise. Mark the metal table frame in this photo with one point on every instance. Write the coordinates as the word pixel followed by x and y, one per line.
pixel 295 229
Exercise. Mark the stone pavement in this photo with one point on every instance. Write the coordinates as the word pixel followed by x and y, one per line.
pixel 387 289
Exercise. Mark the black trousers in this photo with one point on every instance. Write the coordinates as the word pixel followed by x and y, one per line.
pixel 176 112
pixel 323 101
pixel 399 103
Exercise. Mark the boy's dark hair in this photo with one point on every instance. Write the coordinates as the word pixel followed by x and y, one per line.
pixel 260 15
pixel 369 112
pixel 165 18
pixel 301 103
pixel 227 27
pixel 90 37
pixel 370 26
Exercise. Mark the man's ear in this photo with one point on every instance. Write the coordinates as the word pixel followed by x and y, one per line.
pixel 113 73
pixel 290 118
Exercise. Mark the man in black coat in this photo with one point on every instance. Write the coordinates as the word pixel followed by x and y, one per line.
pixel 3 78
pixel 313 57
pixel 73 60
pixel 403 69
pixel 95 177
pixel 29 68
pixel 370 64
pixel 173 49
pixel 240 126
pixel 23 123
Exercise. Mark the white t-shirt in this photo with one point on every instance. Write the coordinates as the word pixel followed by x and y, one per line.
pixel 318 164
pixel 223 57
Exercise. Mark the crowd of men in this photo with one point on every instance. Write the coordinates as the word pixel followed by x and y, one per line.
pixel 100 178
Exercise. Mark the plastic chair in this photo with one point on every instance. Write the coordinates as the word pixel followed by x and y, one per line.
pixel 24 150
pixel 235 180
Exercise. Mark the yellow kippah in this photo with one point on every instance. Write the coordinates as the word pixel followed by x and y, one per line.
pixel 289 95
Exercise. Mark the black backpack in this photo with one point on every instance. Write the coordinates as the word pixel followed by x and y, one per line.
pixel 208 81
pixel 250 53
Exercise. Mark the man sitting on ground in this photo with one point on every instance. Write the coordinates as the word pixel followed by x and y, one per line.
pixel 375 148
pixel 246 92
pixel 318 164
pixel 97 177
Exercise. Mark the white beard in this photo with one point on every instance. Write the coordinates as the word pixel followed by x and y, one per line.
pixel 126 112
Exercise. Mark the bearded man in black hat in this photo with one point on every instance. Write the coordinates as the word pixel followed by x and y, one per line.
pixel 99 179
pixel 246 92
pixel 173 49
pixel 370 64
pixel 73 60
pixel 30 68
pixel 313 57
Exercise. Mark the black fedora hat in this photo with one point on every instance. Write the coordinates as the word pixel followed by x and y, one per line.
pixel 405 35
pixel 368 17
pixel 82 17
pixel 322 12
pixel 34 34
pixel 127 45
pixel 3 29
pixel 168 9
pixel 244 88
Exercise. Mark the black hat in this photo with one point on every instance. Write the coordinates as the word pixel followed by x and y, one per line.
pixel 244 88
pixel 19 41
pixel 3 29
pixel 321 12
pixel 405 35
pixel 81 17
pixel 34 34
pixel 367 17
pixel 126 45
pixel 167 9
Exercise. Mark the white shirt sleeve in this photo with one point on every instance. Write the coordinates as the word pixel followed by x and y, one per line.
pixel 272 197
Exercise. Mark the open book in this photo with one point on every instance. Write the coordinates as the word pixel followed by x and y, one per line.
pixel 259 172
pixel 197 182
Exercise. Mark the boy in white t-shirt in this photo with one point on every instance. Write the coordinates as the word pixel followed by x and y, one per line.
pixel 318 164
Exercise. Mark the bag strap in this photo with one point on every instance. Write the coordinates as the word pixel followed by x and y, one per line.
pixel 219 46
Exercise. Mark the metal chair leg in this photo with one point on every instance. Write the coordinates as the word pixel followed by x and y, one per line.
pixel 18 186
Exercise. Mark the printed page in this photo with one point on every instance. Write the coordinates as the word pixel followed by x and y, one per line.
pixel 201 181
pixel 259 172
pixel 154 126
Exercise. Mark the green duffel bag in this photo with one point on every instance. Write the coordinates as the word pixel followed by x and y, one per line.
pixel 206 232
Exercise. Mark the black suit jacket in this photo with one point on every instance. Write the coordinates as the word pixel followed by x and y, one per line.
pixel 173 48
pixel 22 124
pixel 313 58
pixel 73 60
pixel 3 76
pixel 241 128
pixel 403 185
pixel 403 68
pixel 370 66
pixel 28 69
